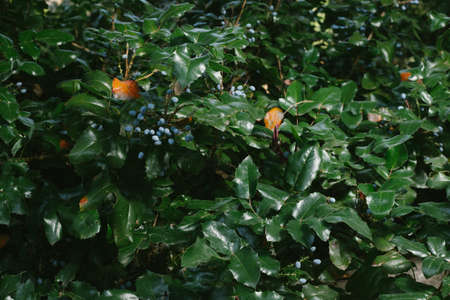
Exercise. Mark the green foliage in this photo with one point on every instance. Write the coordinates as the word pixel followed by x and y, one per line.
pixel 181 192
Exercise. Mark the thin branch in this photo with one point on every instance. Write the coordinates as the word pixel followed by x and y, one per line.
pixel 148 75
pixel 240 13
pixel 127 67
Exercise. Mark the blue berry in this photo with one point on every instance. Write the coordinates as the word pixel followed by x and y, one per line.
pixel 157 143
pixel 93 125
pixel 161 129
pixel 100 128
pixel 150 106
pixel 132 113
pixel 170 141
pixel 19 84
pixel 403 95
pixel 302 280
pixel 188 90
pixel 161 121
pixel 141 155
pixel 143 109
pixel 187 127
pixel 298 265
pixel 317 261
pixel 271 7
pixel 152 132
pixel 135 122
pixel 147 131
pixel 188 138
pixel 249 25
pixel 252 88
pixel 251 31
pixel 286 154
pixel 155 138
pixel 174 130
pixel 169 91
pixel 164 73
pixel 167 131
pixel 159 133
pixel 332 200
pixel 313 248
pixel 137 129
pixel 240 87
pixel 128 128
pixel 274 14
pixel 174 100
pixel 140 117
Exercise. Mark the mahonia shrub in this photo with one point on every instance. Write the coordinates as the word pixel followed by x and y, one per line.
pixel 224 149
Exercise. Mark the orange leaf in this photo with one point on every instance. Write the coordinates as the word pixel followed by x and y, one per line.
pixel 4 238
pixel 273 118
pixel 63 144
pixel 125 90
pixel 405 75
pixel 83 202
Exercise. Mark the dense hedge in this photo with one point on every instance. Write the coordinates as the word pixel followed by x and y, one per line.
pixel 172 182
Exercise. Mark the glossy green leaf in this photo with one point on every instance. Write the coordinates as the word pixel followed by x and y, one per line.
pixel 9 109
pixel 246 179
pixel 151 285
pixel 300 233
pixel 32 68
pixel 197 254
pixel 436 245
pixel 86 224
pixel 221 238
pixel 93 105
pixel 396 156
pixel 188 69
pixel 269 265
pixel 86 148
pixel 380 203
pixel 434 265
pixel 339 255
pixel 413 247
pixel 123 220
pixel 67 274
pixel 70 86
pixel 273 229
pixel 405 296
pixel 319 292
pixel 306 206
pixel 273 198
pixel 54 37
pixel 118 295
pixel 349 89
pixel 302 168
pixel 244 265
pixel 117 154
pixel 25 291
pixel 350 217
pixel 52 227
pixel 176 10
pixel 392 262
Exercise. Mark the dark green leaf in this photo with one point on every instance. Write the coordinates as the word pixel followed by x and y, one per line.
pixel 319 292
pixel 96 107
pixel 392 263
pixel 350 217
pixel 221 238
pixel 339 255
pixel 300 233
pixel 9 109
pixel 86 148
pixel 54 37
pixel 380 203
pixel 414 247
pixel 188 69
pixel 52 227
pixel 197 254
pixel 151 285
pixel 246 179
pixel 86 224
pixel 303 167
pixel 244 266
pixel 32 68
pixel 434 265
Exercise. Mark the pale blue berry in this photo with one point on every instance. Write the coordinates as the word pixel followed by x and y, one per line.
pixel 161 121
pixel 187 127
pixel 313 248
pixel 100 128
pixel 141 155
pixel 128 128
pixel 170 141
pixel 332 200
pixel 188 90
pixel 155 138
pixel 174 130
pixel 140 117
pixel 137 129
pixel 302 280
pixel 271 7
pixel 251 31
pixel 147 131
pixel 169 91
pixel 19 84
pixel 188 138
pixel 252 88
pixel 93 125
pixel 150 106
pixel 152 132
pixel 298 265
pixel 39 281
pixel 132 113
pixel 240 87
pixel 161 129
pixel 317 261
pixel 158 143
pixel 167 131
pixel 143 109
pixel 135 122
pixel 249 25
pixel 174 100
pixel 403 95
pixel 159 133
pixel 23 91
pixel 164 73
